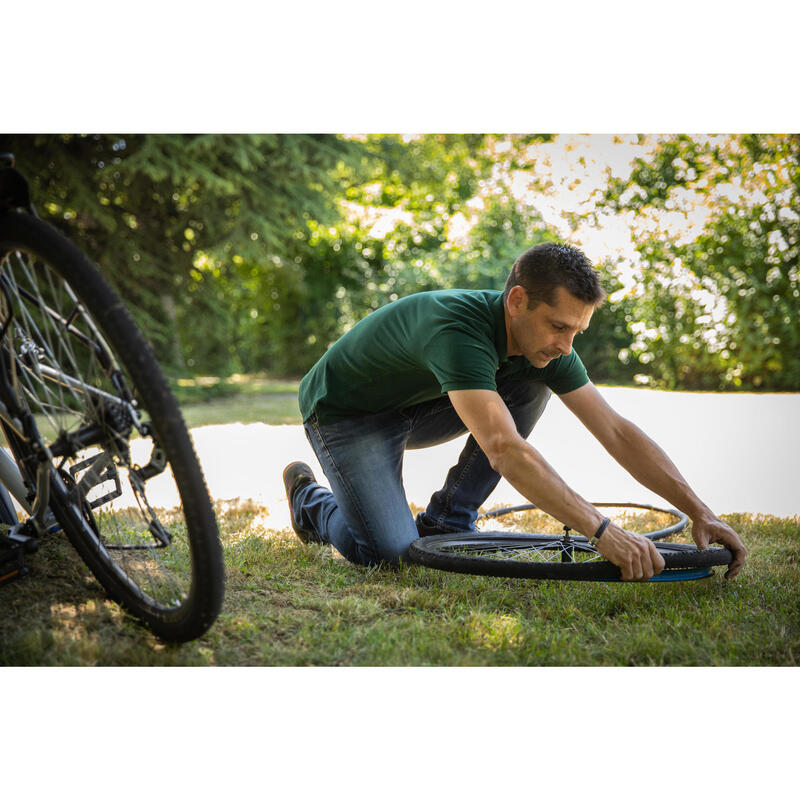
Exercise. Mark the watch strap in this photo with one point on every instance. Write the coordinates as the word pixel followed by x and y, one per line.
pixel 603 525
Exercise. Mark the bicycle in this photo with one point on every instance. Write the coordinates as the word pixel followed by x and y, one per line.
pixel 564 556
pixel 98 446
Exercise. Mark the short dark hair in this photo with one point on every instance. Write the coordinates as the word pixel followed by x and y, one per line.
pixel 542 269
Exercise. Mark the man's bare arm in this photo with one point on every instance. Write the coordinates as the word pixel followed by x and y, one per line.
pixel 651 466
pixel 490 422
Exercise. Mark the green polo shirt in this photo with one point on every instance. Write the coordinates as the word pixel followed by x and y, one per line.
pixel 418 348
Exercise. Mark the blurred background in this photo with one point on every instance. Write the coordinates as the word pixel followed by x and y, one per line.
pixel 243 254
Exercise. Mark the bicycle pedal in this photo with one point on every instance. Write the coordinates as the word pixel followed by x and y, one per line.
pixel 18 571
pixel 12 561
pixel 29 544
pixel 95 471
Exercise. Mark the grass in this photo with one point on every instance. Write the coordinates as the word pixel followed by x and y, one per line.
pixel 239 398
pixel 272 409
pixel 290 604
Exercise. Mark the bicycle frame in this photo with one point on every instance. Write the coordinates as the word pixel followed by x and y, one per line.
pixel 11 478
pixel 23 536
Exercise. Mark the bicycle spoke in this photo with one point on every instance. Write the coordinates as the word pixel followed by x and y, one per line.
pixel 57 372
pixel 545 552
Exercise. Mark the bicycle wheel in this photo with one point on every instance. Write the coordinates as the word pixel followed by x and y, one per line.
pixel 519 555
pixel 125 484
pixel 654 523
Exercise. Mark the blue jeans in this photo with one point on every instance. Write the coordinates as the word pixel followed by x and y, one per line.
pixel 366 517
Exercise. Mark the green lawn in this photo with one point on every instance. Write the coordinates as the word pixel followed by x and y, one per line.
pixel 290 604
pixel 240 398
pixel 273 409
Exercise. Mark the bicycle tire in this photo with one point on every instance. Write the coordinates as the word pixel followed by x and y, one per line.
pixel 661 533
pixel 519 555
pixel 165 567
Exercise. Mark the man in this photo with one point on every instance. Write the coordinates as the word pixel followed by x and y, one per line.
pixel 429 367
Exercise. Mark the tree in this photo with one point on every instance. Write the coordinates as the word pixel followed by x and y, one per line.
pixel 172 219
pixel 716 301
pixel 432 212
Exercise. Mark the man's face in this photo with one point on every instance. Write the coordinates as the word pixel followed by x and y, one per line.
pixel 545 332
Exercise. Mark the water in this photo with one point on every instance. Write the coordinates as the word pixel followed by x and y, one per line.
pixel 739 452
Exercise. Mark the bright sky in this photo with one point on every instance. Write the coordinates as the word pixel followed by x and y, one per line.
pixel 577 167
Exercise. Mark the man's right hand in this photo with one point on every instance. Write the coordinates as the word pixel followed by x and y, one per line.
pixel 635 555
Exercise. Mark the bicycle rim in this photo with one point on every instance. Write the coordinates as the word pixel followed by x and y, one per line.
pixel 646 520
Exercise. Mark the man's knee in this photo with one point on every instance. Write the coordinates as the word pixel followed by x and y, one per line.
pixel 520 393
pixel 526 400
pixel 390 551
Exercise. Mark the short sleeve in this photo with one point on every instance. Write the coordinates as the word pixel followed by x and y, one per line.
pixel 568 374
pixel 461 360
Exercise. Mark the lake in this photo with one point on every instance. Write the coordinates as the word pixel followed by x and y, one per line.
pixel 739 452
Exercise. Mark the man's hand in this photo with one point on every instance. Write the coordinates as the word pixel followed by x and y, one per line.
pixel 635 555
pixel 706 531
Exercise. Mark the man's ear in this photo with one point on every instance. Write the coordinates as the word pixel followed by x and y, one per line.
pixel 517 300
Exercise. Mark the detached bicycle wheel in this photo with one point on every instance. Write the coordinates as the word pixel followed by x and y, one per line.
pixel 125 484
pixel 520 555
pixel 646 520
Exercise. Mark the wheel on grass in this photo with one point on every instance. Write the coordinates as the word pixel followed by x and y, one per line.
pixel 125 484
pixel 563 556
pixel 530 556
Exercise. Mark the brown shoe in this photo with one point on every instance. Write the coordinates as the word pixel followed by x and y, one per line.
pixel 295 475
pixel 423 529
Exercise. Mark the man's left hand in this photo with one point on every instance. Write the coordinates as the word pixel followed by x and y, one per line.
pixel 709 530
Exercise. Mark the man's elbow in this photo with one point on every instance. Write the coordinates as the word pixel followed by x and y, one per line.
pixel 506 453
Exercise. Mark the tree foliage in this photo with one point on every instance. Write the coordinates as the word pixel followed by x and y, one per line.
pixel 255 252
pixel 716 307
pixel 417 214
pixel 172 219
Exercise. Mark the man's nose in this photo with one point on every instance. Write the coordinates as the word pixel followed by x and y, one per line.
pixel 565 344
